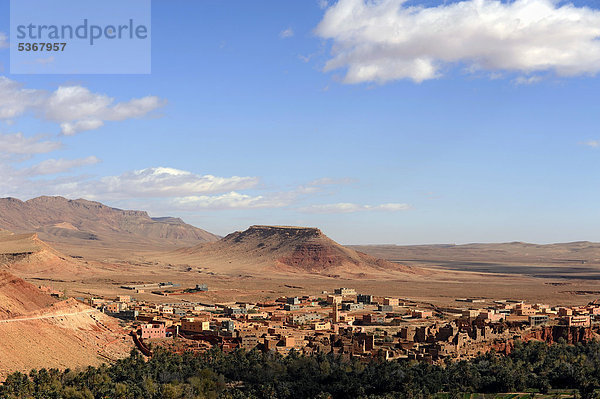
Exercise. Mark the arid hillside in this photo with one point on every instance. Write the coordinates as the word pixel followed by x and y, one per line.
pixel 84 223
pixel 28 256
pixel 284 249
pixel 18 297
pixel 40 331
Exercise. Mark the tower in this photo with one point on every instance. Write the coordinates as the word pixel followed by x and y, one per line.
pixel 336 314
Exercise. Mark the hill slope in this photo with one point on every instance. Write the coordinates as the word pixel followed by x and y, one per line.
pixel 27 255
pixel 59 220
pixel 285 249
pixel 40 331
pixel 18 297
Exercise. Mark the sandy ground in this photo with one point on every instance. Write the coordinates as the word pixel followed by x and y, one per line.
pixel 68 335
pixel 554 275
pixel 438 286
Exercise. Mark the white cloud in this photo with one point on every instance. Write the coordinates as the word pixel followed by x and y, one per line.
pixel 17 143
pixel 284 34
pixel 78 109
pixel 232 200
pixel 592 143
pixel 55 166
pixel 346 207
pixel 16 100
pixel 385 40
pixel 169 188
pixel 392 207
pixel 277 199
pixel 3 40
pixel 71 128
pixel 323 4
pixel 167 185
pixel 75 108
pixel 168 182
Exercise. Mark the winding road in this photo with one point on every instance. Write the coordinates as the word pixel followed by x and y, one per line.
pixel 52 316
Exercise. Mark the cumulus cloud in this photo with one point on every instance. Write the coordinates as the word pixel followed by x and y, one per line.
pixel 284 34
pixel 172 186
pixel 346 207
pixel 15 100
pixel 74 108
pixel 17 143
pixel 385 40
pixel 277 199
pixel 232 200
pixel 169 188
pixel 55 166
pixel 169 182
pixel 78 109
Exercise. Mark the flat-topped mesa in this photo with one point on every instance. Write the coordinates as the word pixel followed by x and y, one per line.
pixel 286 249
pixel 283 228
pixel 275 232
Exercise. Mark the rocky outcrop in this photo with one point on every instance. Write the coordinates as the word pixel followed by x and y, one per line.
pixel 550 335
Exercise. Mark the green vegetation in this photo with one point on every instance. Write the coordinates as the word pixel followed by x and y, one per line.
pixel 531 370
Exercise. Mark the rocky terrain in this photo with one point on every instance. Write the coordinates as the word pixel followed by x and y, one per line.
pixel 18 297
pixel 40 331
pixel 286 249
pixel 58 220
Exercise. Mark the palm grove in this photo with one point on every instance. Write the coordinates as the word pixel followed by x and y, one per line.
pixel 531 367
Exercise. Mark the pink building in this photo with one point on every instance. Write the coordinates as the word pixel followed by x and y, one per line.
pixel 153 331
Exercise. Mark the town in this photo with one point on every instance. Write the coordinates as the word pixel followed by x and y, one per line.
pixel 347 323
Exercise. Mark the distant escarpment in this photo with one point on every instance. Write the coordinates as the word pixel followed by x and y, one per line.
pixel 60 220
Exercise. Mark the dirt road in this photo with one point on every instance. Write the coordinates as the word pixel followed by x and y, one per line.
pixel 49 316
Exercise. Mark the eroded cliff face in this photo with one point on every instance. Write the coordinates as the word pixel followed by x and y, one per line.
pixel 314 256
pixel 18 297
pixel 550 335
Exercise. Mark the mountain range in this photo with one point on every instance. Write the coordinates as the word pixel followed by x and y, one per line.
pixel 83 222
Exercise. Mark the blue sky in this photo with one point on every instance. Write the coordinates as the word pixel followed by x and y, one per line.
pixel 247 118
